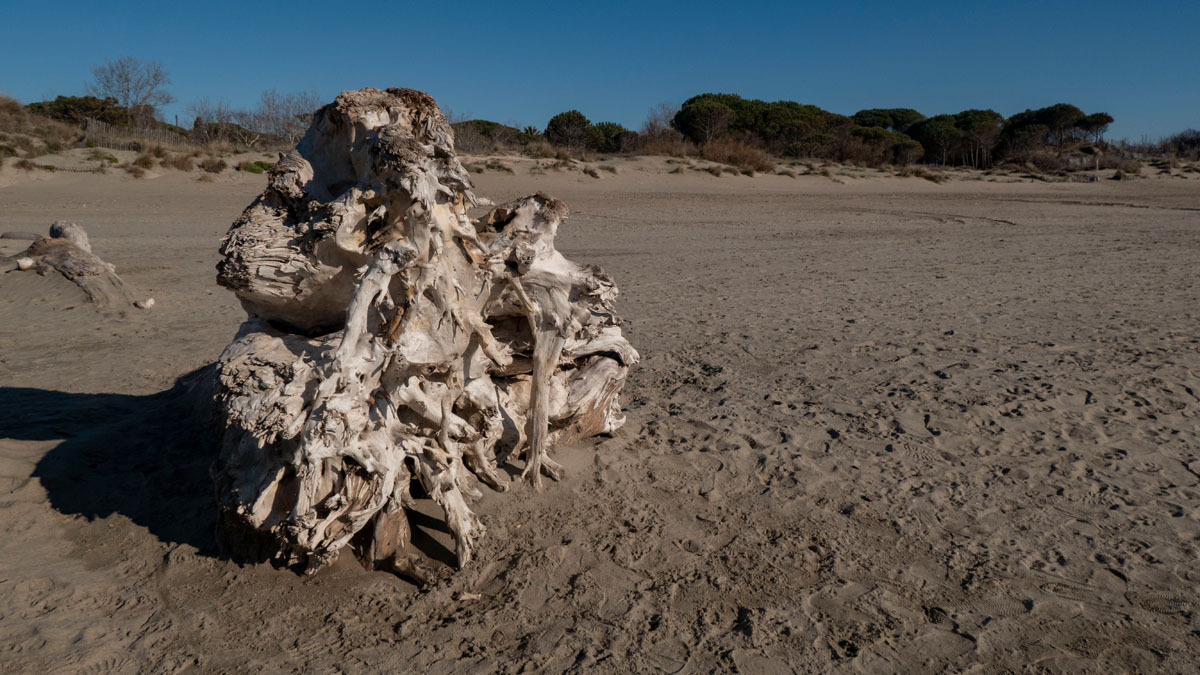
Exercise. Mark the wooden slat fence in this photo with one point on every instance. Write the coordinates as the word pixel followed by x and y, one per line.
pixel 131 138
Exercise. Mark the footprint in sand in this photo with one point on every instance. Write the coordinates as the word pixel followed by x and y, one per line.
pixel 918 452
pixel 1002 606
pixel 1161 603
pixel 107 665
pixel 1082 593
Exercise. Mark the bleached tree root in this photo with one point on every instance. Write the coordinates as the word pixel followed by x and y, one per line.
pixel 394 341
pixel 68 252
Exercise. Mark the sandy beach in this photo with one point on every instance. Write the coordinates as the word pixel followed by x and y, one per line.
pixel 880 425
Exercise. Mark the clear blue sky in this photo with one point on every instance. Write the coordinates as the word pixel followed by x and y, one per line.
pixel 524 62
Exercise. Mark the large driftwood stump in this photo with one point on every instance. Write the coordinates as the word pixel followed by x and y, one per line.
pixel 68 252
pixel 393 339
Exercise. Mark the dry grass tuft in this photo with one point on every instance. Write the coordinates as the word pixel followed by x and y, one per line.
pixel 1130 166
pixel 489 166
pixel 213 165
pixel 23 134
pixel 737 153
pixel 102 156
pixel 922 172
pixel 179 162
pixel 541 150
pixel 670 147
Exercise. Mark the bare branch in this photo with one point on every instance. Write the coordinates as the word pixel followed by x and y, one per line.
pixel 138 86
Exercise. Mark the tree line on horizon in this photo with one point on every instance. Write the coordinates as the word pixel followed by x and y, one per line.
pixel 875 136
pixel 727 128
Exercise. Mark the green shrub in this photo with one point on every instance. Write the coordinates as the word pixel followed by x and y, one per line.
pixel 612 137
pixel 892 119
pixel 939 136
pixel 571 130
pixel 783 127
pixel 25 165
pixel 530 135
pixel 74 109
pixel 905 150
pixel 254 167
pixel 704 120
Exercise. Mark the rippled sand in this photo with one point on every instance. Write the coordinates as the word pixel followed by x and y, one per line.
pixel 881 425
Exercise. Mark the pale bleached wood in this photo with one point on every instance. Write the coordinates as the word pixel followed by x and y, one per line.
pixel 394 342
pixel 72 232
pixel 68 252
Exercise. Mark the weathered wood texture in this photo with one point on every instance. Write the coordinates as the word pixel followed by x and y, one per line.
pixel 392 339
pixel 68 252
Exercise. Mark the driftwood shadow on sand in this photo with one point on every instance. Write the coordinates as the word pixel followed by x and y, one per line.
pixel 144 457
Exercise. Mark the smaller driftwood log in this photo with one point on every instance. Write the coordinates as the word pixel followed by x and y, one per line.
pixel 394 342
pixel 68 252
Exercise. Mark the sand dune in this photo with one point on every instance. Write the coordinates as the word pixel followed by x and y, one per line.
pixel 881 425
